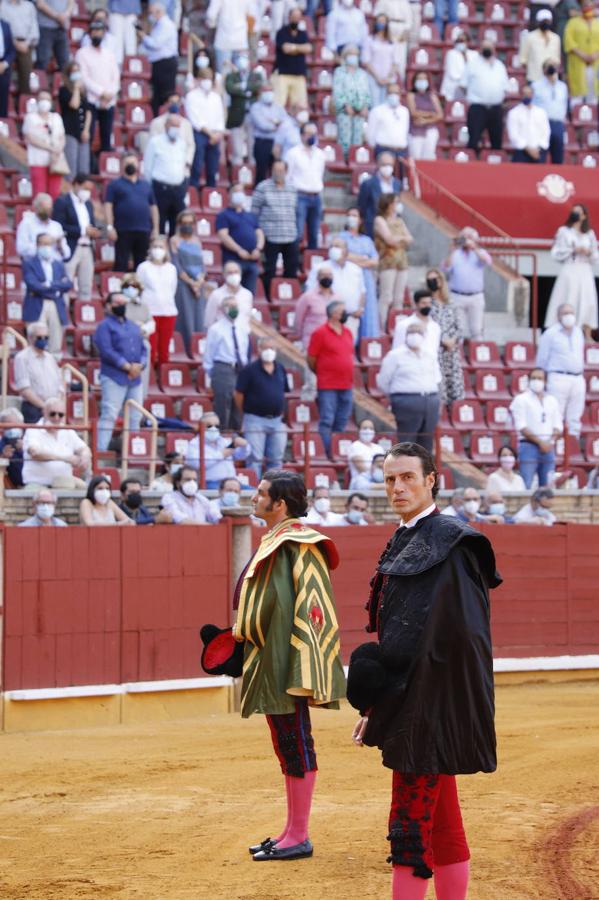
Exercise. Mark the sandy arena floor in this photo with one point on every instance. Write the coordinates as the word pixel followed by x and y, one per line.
pixel 167 811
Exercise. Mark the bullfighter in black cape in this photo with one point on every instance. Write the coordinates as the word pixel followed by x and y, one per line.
pixel 425 690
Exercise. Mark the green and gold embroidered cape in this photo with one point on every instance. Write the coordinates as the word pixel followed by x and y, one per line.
pixel 288 620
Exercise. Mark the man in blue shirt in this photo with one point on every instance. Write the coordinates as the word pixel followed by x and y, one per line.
pixel 551 94
pixel 123 356
pixel 265 117
pixel 161 46
pixel 131 215
pixel 465 267
pixel 132 502
pixel 241 238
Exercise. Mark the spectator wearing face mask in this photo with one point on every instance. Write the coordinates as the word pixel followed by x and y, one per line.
pixel 242 85
pixel 11 445
pixel 131 215
pixel 445 315
pixel 470 510
pixel 161 46
pixel 538 511
pixel 38 220
pixel 362 252
pixel 505 479
pixel 47 284
pixel 76 118
pixel 44 505
pixel 187 257
pixel 159 125
pixel 494 509
pixel 457 501
pixel 575 247
pixel 561 354
pixel 185 505
pixel 101 79
pixel 123 16
pixel 55 456
pixel 351 98
pixel 292 48
pixel 331 357
pixel 391 239
pixel 388 127
pixel 320 512
pixel 382 182
pixel 74 210
pixel 410 376
pixel 528 130
pixel 540 45
pixel 348 283
pixel 371 479
pixel 265 118
pixel 311 307
pixel 36 373
pixel 230 18
pixel 538 421
pixel 165 167
pixel 581 46
pixel 43 132
pixel 356 511
pixel 229 496
pixel 204 109
pixel 551 95
pixel 423 304
pixel 232 289
pixel 220 452
pixel 346 24
pixel 260 396
pixel 163 483
pixel 362 452
pixel 274 204
pixel 131 502
pixel 425 111
pixel 158 277
pixel 383 59
pixel 241 238
pixel 465 268
pixel 404 20
pixel 227 352
pixel 486 86
pixel 453 86
pixel 306 164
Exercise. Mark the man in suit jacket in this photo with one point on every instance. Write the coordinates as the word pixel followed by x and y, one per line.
pixel 47 282
pixel 8 52
pixel 243 87
pixel 75 212
pixel 382 182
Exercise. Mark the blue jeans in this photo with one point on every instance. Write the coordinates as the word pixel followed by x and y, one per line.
pixel 52 42
pixel 445 11
pixel 556 142
pixel 113 400
pixel 334 409
pixel 207 155
pixel 309 209
pixel 534 462
pixel 267 439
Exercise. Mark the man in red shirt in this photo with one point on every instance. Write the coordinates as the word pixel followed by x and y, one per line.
pixel 331 356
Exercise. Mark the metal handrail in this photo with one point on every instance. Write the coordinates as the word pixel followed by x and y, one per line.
pixel 5 358
pixel 84 381
pixel 133 404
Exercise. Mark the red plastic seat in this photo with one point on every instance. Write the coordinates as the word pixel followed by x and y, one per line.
pixel 139 449
pixel 498 415
pixel 283 290
pixel 295 379
pixel 137 115
pixel 111 474
pixel 371 383
pixel 109 164
pixel 87 313
pixel 110 281
pixel 197 346
pixel 520 355
pixel 178 441
pixel 322 476
pixel 591 417
pixel 136 67
pixel 287 319
pixel 261 312
pixel 247 477
pixel 163 407
pixel 135 90
pixel 175 379
pixel 75 408
pixel 340 445
pixel 519 381
pixel 484 354
pixel 591 450
pixel 301 411
pixel 314 449
pixel 372 350
pixel 193 408
pixel 484 448
pixel 446 482
pixel 591 357
pixel 212 257
pixel 490 385
pixel 450 441
pixel 361 155
pixel 176 349
pixel 467 415
pixel 358 175
pixel 572 444
pixel 214 199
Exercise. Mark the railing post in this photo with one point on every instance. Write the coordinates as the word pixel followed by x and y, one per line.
pixel 306 452
pixel 535 299
pixel 202 439
pixel 6 354
pixel 129 404
pixel 82 379
pixel 566 449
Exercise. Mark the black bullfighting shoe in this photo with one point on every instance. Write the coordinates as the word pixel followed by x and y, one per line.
pixel 266 844
pixel 298 851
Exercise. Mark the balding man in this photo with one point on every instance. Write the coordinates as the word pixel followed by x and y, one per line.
pixel 37 376
pixel 382 182
pixel 55 456
pixel 561 354
pixel 231 289
pixel 44 505
pixel 38 220
pixel 162 49
pixel 165 166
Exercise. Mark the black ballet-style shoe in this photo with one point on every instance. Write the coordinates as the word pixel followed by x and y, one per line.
pixel 273 853
pixel 263 845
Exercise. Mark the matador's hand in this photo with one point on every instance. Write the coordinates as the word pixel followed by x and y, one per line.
pixel 358 732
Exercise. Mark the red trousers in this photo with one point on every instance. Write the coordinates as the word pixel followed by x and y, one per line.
pixel 44 182
pixel 160 340
pixel 425 823
pixel 292 740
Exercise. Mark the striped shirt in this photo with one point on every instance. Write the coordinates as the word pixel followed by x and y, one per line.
pixel 275 208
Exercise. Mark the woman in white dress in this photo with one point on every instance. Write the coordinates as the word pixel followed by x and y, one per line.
pixel 575 246
pixel 453 86
pixel 504 479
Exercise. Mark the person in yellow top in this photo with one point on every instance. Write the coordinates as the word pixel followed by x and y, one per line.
pixel 581 44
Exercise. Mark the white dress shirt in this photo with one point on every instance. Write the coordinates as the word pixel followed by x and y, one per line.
pixel 158 125
pixel 388 127
pixel 218 466
pixel 486 81
pixel 536 413
pixel 421 515
pixel 345 26
pixel 538 47
pixel 561 350
pixel 83 219
pixel 49 127
pixel 159 282
pixel 181 508
pixel 407 371
pixel 229 17
pixel 432 332
pixel 528 126
pixel 348 284
pixel 220 344
pixel 361 451
pixel 165 160
pixel 99 73
pixel 214 310
pixel 62 442
pixel 315 518
pixel 205 110
pixel 454 72
pixel 305 169
pixel 528 514
pixel 38 370
pixel 29 228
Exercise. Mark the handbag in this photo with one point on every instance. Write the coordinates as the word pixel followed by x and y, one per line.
pixel 59 165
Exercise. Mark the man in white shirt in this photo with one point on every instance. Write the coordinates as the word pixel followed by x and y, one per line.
pixel 538 421
pixel 561 354
pixel 232 289
pixel 538 511
pixel 305 172
pixel 230 18
pixel 411 376
pixel 540 45
pixel 528 130
pixel 389 124
pixel 101 78
pixel 165 166
pixel 37 376
pixel 204 109
pixel 348 284
pixel 55 457
pixel 551 94
pixel 486 86
pixel 158 126
pixel 220 453
pixel 38 221
pixel 320 512
pixel 346 24
pixel 227 352
pixel 421 315
pixel 184 505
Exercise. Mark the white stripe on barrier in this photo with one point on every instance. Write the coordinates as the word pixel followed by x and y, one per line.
pixel 108 690
pixel 543 663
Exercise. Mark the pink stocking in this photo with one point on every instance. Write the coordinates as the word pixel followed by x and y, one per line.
pixel 406 885
pixel 451 882
pixel 289 810
pixel 300 790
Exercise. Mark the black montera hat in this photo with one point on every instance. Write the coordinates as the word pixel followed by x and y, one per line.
pixel 222 654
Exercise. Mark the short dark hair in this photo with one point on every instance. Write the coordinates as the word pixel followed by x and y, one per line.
pixel 356 496
pixel 81 178
pixel 179 475
pixel 110 297
pixel 421 294
pixel 290 487
pixel 333 305
pixel 125 484
pixel 223 481
pixel 507 447
pixel 427 460
pixel 93 484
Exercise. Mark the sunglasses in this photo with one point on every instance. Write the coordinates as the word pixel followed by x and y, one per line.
pixel 56 415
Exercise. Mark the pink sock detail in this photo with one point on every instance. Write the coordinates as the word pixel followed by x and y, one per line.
pixel 451 882
pixel 407 886
pixel 289 811
pixel 301 790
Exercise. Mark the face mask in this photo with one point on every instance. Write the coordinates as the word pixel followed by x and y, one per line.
pixel 232 312
pixel 507 462
pixel 302 117
pixel 348 3
pixel 311 140
pixel 398 209
pixel 45 510
pixel 44 106
pixel 186 229
pixel 537 385
pixel 380 26
pixel 335 254
pixel 130 169
pixel 75 77
pixel 432 284
pixel 243 63
pixel 378 476
pixel 206 85
pixel 238 198
pixel 425 310
pixel 13 434
pixel 43 215
pixel 421 85
pixel 545 26
pixel 472 506
pixel 41 343
pixel 173 133
pixel 84 195
pixel 102 496
pixel 326 281
pixel 119 310
pixel 351 59
pixel 131 292
pixel 202 62
pixel 96 41
pixel 414 339
pixel 322 505
pixel 497 509
pixel 267 97
pixel 294 26
pixel 158 253
pixel 575 217
pixel 353 222
pixel 354 516
pixel 487 53
pixel 526 101
pixel 568 320
pixel 189 488
pixel 393 100
pixel 212 434
pixel 343 318
pixel 269 355
pixel 386 171
pixel 366 435
pixel 461 47
pixel 550 70
pixel 174 468
pixel 45 252
pixel 230 498
pixel 174 108
pixel 133 501
pixel 233 279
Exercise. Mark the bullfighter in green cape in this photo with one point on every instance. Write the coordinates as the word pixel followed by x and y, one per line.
pixel 286 617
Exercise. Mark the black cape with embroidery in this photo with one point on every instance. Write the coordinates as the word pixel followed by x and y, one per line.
pixel 430 605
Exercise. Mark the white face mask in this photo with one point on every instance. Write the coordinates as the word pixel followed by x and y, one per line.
pixel 189 488
pixel 202 62
pixel 393 100
pixel 267 97
pixel 497 509
pixel 75 76
pixel 302 117
pixel 568 320
pixel 173 133
pixel 351 59
pixel 158 253
pixel 461 47
pixel 353 222
pixel 354 516
pixel 268 355
pixel 348 3
pixel 398 209
pixel 174 468
pixel 335 254
pixel 322 505
pixel 378 476
pixel 44 106
pixel 414 339
pixel 230 498
pixel 367 435
pixel 45 510
pixel 386 171
pixel 537 385
pixel 233 279
pixel 102 495
pixel 84 195
pixel 507 462
pixel 472 506
pixel 206 85
pixel 212 434
pixel 238 198
pixel 243 63
pixel 421 85
pixel 13 433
